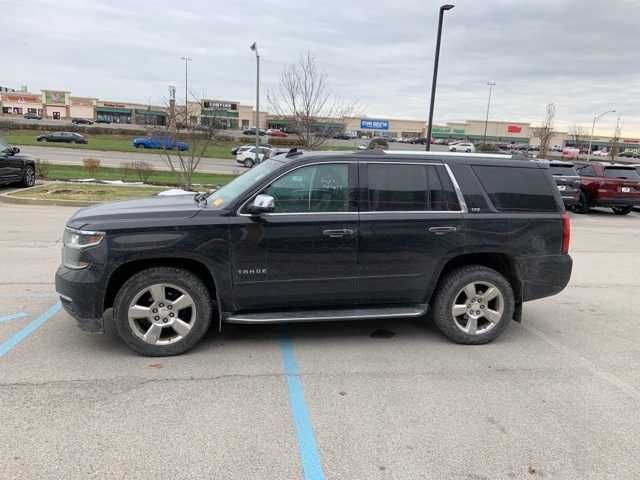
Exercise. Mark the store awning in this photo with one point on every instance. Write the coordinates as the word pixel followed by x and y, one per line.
pixel 126 111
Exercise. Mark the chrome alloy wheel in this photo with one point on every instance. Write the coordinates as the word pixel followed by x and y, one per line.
pixel 162 314
pixel 478 308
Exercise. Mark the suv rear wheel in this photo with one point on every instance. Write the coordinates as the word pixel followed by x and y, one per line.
pixel 162 311
pixel 622 210
pixel 473 305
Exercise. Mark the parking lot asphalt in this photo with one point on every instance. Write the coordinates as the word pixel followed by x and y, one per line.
pixel 555 397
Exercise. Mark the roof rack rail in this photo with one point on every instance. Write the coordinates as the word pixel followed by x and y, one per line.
pixel 293 152
pixel 368 151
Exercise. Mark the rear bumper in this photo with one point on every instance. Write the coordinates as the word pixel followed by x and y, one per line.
pixel 81 294
pixel 545 276
pixel 602 201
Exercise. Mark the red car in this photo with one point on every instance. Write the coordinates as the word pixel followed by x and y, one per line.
pixel 608 185
pixel 274 132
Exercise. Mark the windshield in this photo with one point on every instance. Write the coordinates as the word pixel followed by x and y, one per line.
pixel 621 172
pixel 232 190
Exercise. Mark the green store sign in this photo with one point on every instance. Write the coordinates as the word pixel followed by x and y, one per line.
pixel 447 130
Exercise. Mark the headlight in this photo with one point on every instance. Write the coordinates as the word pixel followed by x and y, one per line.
pixel 74 254
pixel 81 238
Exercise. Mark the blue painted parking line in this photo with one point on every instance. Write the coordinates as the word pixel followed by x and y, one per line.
pixel 304 429
pixel 13 316
pixel 16 338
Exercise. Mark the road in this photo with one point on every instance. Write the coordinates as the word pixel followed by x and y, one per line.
pixel 556 397
pixel 75 156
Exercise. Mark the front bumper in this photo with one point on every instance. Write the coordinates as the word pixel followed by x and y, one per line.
pixel 82 295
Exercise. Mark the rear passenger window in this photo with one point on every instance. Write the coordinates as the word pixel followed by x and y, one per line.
pixel 410 188
pixel 517 189
pixel 586 171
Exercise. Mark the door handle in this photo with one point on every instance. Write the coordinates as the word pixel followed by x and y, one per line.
pixel 338 233
pixel 442 230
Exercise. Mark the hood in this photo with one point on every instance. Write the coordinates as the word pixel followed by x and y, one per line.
pixel 146 210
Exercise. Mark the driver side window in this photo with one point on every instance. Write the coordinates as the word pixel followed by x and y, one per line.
pixel 316 188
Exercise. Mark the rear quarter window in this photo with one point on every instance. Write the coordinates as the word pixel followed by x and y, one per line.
pixel 621 172
pixel 566 170
pixel 517 189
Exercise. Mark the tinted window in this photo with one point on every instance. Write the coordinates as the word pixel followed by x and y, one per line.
pixel 586 171
pixel 410 188
pixel 567 170
pixel 517 189
pixel 316 188
pixel 621 172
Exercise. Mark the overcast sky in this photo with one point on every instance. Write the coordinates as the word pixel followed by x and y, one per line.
pixel 583 55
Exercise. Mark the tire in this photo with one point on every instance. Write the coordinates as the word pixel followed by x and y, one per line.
pixel 249 162
pixel 583 205
pixel 196 316
pixel 452 150
pixel 28 177
pixel 621 210
pixel 139 145
pixel 452 289
pixel 468 150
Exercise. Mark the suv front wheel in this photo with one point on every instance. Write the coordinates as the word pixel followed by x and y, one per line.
pixel 473 305
pixel 162 311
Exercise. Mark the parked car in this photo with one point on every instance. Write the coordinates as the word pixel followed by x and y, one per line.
pixel 81 121
pixel 103 120
pixel 462 147
pixel 600 153
pixel 570 152
pixel 274 132
pixel 288 241
pixel 31 116
pixel 15 168
pixel 556 148
pixel 567 180
pixel 629 154
pixel 62 137
pixel 242 148
pixel 247 158
pixel 608 185
pixel 344 136
pixel 164 143
pixel 252 131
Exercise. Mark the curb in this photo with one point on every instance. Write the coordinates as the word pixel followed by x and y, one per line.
pixel 5 198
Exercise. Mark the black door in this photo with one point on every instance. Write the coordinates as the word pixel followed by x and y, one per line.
pixel 304 254
pixel 411 219
pixel 10 166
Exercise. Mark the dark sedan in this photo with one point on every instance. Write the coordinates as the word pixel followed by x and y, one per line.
pixel 82 121
pixel 62 137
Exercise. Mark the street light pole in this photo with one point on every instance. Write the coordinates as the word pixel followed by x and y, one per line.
pixel 186 90
pixel 486 120
pixel 593 126
pixel 254 48
pixel 443 8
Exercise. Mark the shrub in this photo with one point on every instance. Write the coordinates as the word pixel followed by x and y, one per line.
pixel 143 170
pixel 127 170
pixel 487 147
pixel 91 166
pixel 42 169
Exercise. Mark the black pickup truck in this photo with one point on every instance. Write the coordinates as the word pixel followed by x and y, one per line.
pixel 324 236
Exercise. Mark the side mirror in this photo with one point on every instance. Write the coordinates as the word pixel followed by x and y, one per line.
pixel 262 204
pixel 14 150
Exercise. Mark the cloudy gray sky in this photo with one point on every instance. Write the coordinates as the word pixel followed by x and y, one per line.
pixel 584 55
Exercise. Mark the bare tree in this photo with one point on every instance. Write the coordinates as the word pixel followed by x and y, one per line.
pixel 614 143
pixel 578 136
pixel 303 99
pixel 545 132
pixel 198 137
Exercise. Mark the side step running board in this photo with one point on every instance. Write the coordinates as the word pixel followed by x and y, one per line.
pixel 407 311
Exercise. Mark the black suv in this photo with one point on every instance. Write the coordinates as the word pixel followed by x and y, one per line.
pixel 15 168
pixel 330 236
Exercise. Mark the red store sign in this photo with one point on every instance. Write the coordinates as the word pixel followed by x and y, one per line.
pixel 16 97
pixel 514 129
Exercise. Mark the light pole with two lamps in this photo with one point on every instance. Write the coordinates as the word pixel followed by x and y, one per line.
pixel 593 126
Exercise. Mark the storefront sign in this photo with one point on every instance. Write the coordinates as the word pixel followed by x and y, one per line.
pixel 114 105
pixel 21 98
pixel 52 97
pixel 514 129
pixel 374 124
pixel 458 130
pixel 81 102
pixel 220 105
pixel 630 140
pixel 441 129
